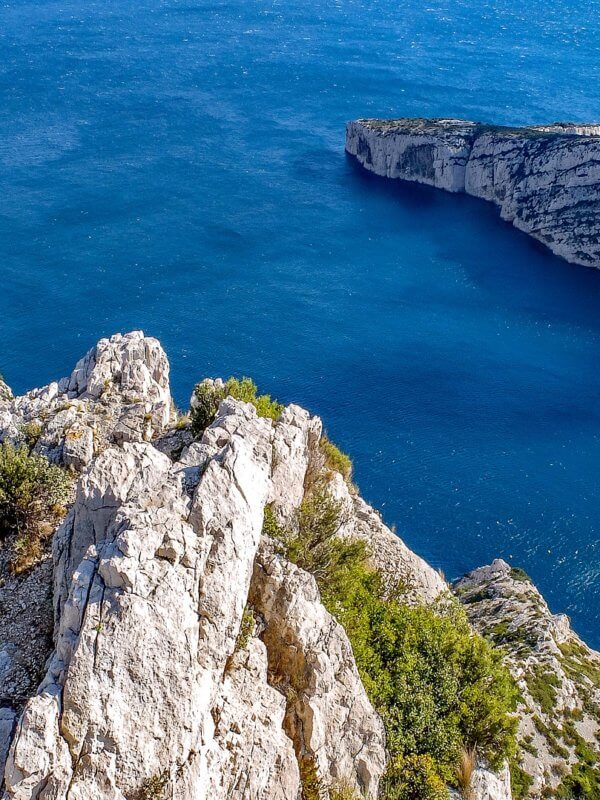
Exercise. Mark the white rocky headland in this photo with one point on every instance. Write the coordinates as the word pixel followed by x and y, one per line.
pixel 545 179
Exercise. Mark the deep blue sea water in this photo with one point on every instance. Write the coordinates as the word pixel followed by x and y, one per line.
pixel 179 167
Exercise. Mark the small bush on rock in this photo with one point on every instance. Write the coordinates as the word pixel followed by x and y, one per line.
pixel 413 778
pixel 32 498
pixel 208 395
pixel 335 459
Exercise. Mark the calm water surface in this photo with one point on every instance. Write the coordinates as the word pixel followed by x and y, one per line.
pixel 179 167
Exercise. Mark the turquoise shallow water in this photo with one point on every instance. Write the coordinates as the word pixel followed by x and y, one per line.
pixel 179 167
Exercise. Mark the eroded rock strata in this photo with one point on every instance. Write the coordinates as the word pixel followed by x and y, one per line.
pixel 544 179
pixel 122 670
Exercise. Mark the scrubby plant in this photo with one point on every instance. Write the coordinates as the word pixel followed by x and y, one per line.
pixel 247 626
pixel 208 395
pixel 30 432
pixel 413 777
pixel 153 788
pixel 312 785
pixel 343 790
pixel 518 574
pixel 438 686
pixel 33 494
pixel 336 460
pixel 520 781
pixel 467 761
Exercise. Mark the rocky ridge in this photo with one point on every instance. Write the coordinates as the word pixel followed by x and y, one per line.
pixel 130 668
pixel 544 179
pixel 557 673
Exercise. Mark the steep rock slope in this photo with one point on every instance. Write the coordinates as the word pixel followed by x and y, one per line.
pixel 544 179
pixel 557 673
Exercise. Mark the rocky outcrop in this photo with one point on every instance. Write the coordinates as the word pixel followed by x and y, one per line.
pixel 163 647
pixel 149 686
pixel 544 179
pixel 557 673
pixel 119 392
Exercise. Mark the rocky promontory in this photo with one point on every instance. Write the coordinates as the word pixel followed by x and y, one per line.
pixel 545 179
pixel 199 625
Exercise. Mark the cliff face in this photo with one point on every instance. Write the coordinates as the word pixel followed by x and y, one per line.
pixel 130 666
pixel 544 179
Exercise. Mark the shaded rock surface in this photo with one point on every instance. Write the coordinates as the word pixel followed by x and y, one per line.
pixel 544 179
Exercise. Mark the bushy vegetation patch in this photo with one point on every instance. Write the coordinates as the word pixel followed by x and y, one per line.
pixel 438 686
pixel 208 395
pixel 542 685
pixel 336 460
pixel 33 494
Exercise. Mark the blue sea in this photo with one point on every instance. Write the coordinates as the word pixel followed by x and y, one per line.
pixel 179 166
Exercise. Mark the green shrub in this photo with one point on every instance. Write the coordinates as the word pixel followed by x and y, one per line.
pixel 153 788
pixel 520 781
pixel 313 787
pixel 336 460
pixel 413 777
pixel 518 574
pixel 542 685
pixel 344 791
pixel 247 627
pixel 246 390
pixel 32 497
pixel 437 685
pixel 31 432
pixel 314 543
pixel 207 397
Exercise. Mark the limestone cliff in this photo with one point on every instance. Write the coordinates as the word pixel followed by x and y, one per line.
pixel 131 667
pixel 544 179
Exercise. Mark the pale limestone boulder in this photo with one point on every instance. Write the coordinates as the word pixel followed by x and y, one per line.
pixel 249 710
pixel 487 785
pixel 146 632
pixel 329 716
pixel 296 436
pixel 118 392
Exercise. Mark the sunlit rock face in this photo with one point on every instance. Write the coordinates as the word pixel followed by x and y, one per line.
pixel 544 179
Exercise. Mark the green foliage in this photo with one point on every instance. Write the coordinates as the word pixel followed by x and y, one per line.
pixel 153 788
pixel 246 390
pixel 31 432
pixel 247 626
pixel 438 686
pixel 336 460
pixel 518 574
pixel 542 685
pixel 314 543
pixel 313 787
pixel 32 497
pixel 520 781
pixel 343 791
pixel 207 397
pixel 413 777
pixel 583 782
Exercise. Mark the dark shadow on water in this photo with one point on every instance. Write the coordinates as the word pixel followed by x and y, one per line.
pixel 514 269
